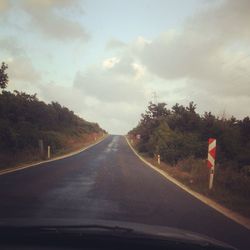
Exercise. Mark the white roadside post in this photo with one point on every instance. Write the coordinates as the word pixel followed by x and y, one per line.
pixel 159 159
pixel 211 160
pixel 48 152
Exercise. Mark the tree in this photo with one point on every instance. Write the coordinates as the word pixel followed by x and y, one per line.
pixel 184 119
pixel 4 79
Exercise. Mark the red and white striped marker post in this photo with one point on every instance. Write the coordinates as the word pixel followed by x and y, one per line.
pixel 211 159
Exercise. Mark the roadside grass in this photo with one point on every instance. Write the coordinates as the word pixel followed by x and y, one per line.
pixel 231 188
pixel 68 144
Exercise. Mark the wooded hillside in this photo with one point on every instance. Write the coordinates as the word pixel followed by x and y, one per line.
pixel 180 132
pixel 24 120
pixel 180 136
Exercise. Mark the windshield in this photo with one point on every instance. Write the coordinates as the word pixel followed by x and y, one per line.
pixel 126 111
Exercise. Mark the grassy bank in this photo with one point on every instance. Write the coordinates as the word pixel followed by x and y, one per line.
pixel 29 156
pixel 179 134
pixel 231 188
pixel 28 126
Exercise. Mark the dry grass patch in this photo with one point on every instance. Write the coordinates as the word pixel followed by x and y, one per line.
pixel 231 188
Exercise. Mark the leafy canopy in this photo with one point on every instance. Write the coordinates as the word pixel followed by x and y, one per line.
pixel 4 79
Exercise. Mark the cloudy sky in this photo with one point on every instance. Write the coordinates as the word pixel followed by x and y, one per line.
pixel 105 59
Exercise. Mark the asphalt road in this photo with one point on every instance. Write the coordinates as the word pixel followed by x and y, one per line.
pixel 108 181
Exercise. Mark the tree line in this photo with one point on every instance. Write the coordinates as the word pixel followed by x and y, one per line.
pixel 180 132
pixel 24 120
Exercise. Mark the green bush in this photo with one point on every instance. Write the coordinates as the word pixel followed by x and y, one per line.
pixel 180 132
pixel 235 182
pixel 197 168
pixel 24 120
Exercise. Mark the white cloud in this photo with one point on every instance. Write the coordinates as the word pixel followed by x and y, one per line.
pixel 139 70
pixel 51 18
pixel 21 71
pixel 115 44
pixel 114 93
pixel 117 84
pixel 201 51
pixel 110 62
pixel 206 61
pixel 142 41
pixel 4 5
pixel 211 52
pixel 10 46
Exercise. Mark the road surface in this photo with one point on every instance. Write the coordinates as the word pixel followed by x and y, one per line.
pixel 108 181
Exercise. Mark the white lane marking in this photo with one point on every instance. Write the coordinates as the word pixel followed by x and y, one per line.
pixel 223 210
pixel 10 170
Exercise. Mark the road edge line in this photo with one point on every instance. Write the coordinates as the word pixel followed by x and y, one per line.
pixel 15 169
pixel 223 210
